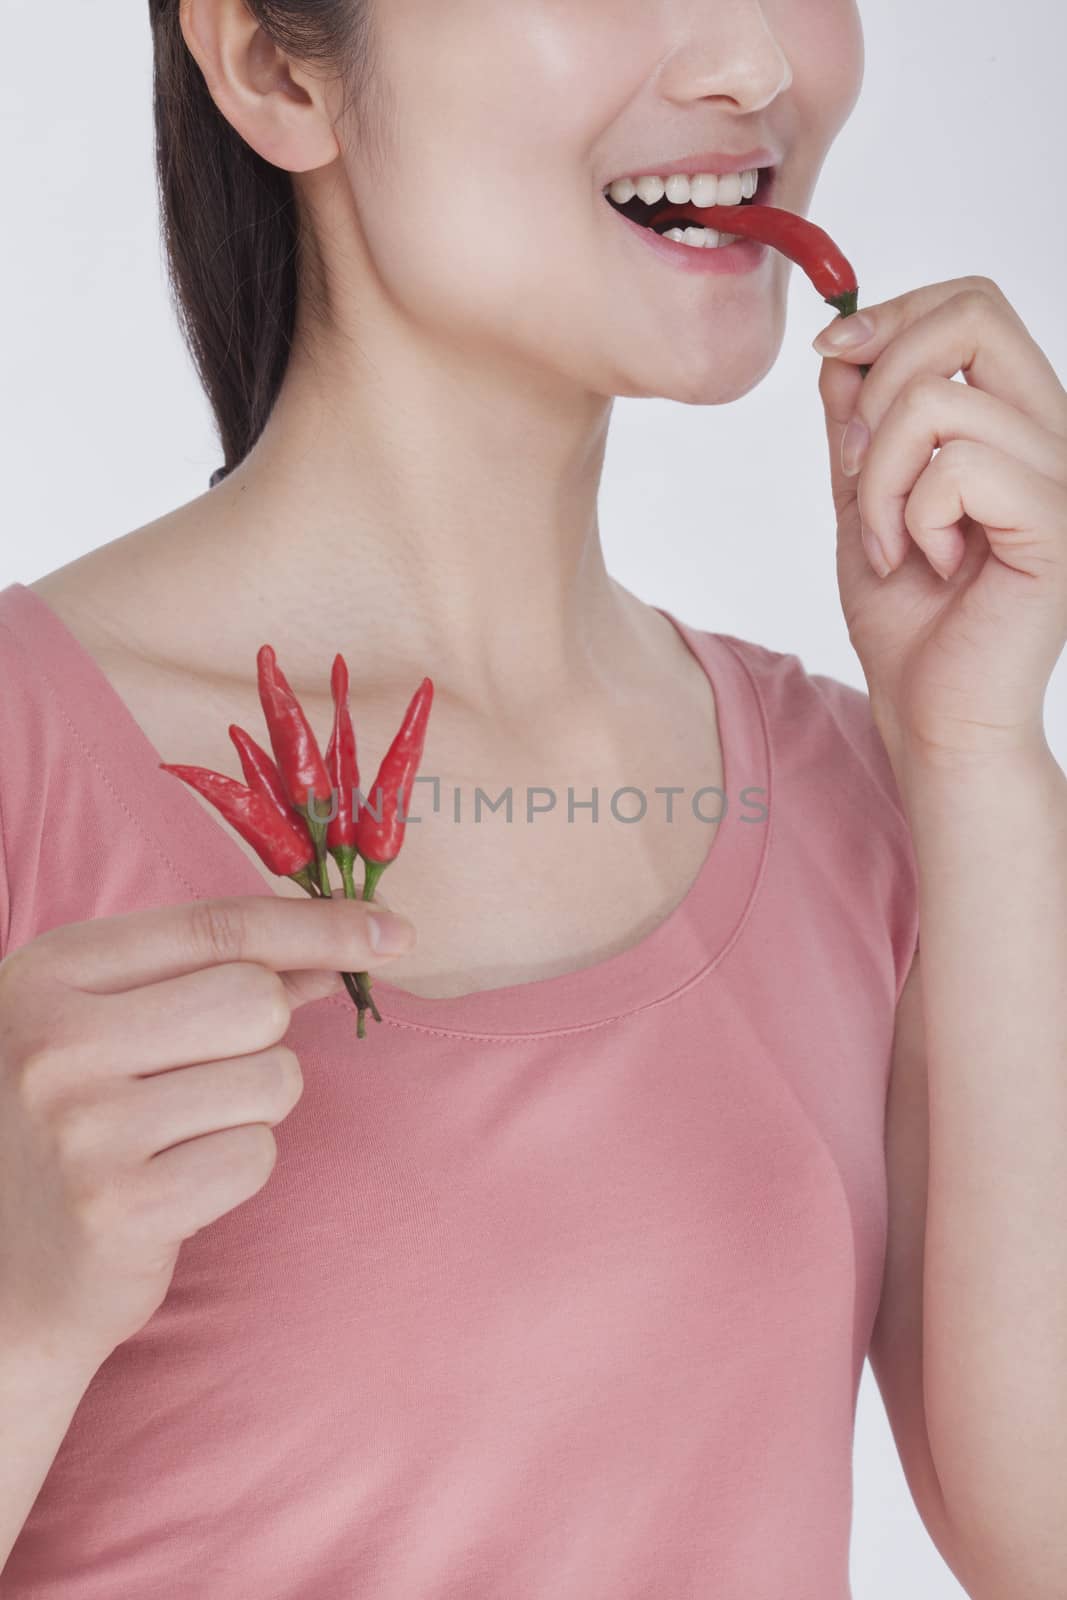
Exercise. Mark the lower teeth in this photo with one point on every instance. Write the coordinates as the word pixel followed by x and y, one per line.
pixel 700 238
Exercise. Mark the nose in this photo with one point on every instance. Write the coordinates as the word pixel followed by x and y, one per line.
pixel 727 51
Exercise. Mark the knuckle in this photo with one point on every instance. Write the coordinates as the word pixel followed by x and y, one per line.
pixel 40 1078
pixel 261 1148
pixel 35 1078
pixel 976 299
pixel 47 1052
pixel 97 1210
pixel 277 1080
pixel 218 929
pixel 953 453
pixel 77 1128
pixel 259 999
pixel 920 390
pixel 264 997
pixel 285 1065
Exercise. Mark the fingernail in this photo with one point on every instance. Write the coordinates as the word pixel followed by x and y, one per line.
pixel 389 934
pixel 875 553
pixel 854 446
pixel 843 333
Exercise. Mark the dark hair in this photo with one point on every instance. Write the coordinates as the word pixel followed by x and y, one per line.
pixel 235 247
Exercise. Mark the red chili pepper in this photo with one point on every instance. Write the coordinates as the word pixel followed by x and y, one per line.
pixel 341 832
pixel 277 842
pixel 813 250
pixel 344 775
pixel 379 838
pixel 303 771
pixel 263 777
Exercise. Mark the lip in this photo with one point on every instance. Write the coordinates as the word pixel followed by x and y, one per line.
pixel 715 162
pixel 743 256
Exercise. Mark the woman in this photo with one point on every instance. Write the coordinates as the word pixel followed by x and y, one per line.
pixel 563 1278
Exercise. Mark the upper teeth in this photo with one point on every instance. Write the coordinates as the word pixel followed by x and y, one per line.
pixel 705 189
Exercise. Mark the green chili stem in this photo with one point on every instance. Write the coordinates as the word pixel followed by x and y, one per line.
pixel 372 871
pixel 848 304
pixel 350 979
pixel 358 983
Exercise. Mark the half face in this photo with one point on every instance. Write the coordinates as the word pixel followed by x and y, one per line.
pixel 499 224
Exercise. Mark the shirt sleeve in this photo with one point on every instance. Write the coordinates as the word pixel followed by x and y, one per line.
pixel 851 709
pixel 5 898
pixel 6 748
pixel 13 737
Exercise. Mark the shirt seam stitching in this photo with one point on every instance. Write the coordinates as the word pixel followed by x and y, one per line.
pixel 694 978
pixel 150 839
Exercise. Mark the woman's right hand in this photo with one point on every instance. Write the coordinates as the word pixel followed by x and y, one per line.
pixel 141 1073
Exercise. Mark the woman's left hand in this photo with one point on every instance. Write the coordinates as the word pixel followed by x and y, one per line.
pixel 956 665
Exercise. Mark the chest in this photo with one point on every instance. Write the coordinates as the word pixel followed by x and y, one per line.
pixel 520 861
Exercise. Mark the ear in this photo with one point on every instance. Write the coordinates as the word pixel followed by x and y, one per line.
pixel 281 111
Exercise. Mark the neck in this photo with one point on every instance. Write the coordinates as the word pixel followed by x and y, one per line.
pixel 420 503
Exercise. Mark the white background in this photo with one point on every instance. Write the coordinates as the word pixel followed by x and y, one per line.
pixel 951 164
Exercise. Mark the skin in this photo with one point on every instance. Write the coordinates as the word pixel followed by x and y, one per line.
pixel 958 640
pixel 459 323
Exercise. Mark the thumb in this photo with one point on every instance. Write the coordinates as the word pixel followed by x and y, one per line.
pixel 840 386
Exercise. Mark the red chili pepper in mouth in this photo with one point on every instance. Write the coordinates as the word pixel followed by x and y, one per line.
pixel 809 246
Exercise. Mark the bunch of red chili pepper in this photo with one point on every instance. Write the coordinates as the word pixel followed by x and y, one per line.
pixel 813 250
pixel 301 807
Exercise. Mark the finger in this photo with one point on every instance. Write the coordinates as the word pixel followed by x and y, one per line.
pixel 927 414
pixel 839 388
pixel 1024 513
pixel 966 325
pixel 228 1010
pixel 304 987
pixel 196 1182
pixel 139 1119
pixel 109 954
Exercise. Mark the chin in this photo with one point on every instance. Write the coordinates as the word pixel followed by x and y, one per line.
pixel 723 376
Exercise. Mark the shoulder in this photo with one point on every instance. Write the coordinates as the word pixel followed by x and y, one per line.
pixel 832 772
pixel 23 656
pixel 814 716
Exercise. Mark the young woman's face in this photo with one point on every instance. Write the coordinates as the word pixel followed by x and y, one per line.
pixel 504 121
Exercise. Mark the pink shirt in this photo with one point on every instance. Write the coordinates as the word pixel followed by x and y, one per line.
pixel 559 1291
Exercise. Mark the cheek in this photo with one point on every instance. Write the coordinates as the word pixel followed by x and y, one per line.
pixel 491 131
pixel 823 40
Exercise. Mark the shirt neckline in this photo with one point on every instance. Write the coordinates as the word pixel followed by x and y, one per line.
pixel 679 951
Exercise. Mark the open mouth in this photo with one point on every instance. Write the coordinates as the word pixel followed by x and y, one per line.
pixel 664 214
